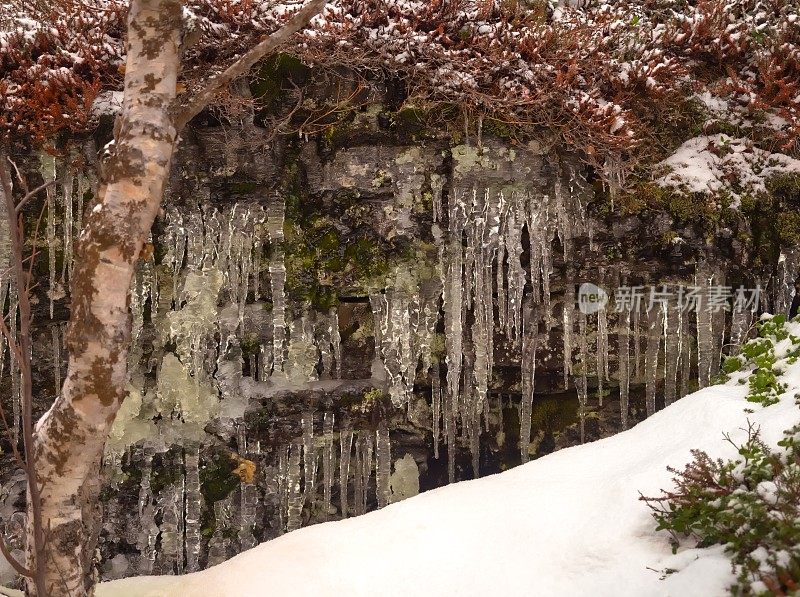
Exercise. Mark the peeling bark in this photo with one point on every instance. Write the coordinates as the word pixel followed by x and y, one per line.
pixel 71 435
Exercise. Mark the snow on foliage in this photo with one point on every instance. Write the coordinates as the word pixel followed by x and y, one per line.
pixel 716 163
pixel 600 75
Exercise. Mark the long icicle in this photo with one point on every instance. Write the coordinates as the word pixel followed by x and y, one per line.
pixel 529 340
pixel 623 351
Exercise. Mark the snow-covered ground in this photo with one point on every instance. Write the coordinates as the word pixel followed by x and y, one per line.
pixel 567 524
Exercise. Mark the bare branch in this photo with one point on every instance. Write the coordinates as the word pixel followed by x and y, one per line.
pixel 203 97
pixel 20 569
pixel 20 178
pixel 32 194
pixel 16 230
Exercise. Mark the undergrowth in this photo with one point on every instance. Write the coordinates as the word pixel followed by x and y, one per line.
pixel 766 357
pixel 749 504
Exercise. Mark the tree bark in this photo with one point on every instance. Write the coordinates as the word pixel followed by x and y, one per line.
pixel 70 437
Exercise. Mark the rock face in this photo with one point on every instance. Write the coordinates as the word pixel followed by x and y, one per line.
pixel 325 326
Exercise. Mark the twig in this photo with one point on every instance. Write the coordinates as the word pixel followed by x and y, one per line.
pixel 203 97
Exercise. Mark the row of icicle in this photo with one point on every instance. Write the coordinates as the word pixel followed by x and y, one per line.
pixel 480 290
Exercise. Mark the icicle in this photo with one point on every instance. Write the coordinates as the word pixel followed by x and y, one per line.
pixel 346 447
pixel 169 556
pixel 66 267
pixel 687 340
pixel 485 237
pixel 327 461
pixel 383 465
pixel 500 284
pixel 787 272
pixel 740 323
pixel 358 478
pixel 180 254
pixel 529 342
pixel 193 505
pixel 336 340
pixel 394 313
pixel 48 170
pixel 148 529
pixel 705 329
pixel 282 486
pixel 309 459
pixel 516 273
pixel 474 431
pixel 718 317
pixel 450 434
pixel 453 298
pixel 248 498
pixel 436 406
pixel 264 362
pixel 437 184
pixel 602 353
pixel 654 328
pixel 277 273
pixel 564 221
pixel 6 286
pixel 366 467
pixel 623 351
pixel 195 240
pixel 219 543
pixel 282 482
pixel 581 382
pixel 568 314
pixel 83 186
pixel 637 345
pixel 672 340
pixel 212 237
pixel 302 357
pixel 294 518
pixel 3 341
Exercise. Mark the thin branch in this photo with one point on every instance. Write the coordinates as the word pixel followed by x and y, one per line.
pixel 203 97
pixel 16 229
pixel 33 193
pixel 21 570
pixel 20 178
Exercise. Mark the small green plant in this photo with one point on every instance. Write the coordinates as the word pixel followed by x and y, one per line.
pixel 750 504
pixel 759 354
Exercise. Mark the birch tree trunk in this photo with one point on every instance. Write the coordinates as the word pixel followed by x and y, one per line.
pixel 70 437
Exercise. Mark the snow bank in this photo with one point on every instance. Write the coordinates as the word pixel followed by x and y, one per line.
pixel 566 524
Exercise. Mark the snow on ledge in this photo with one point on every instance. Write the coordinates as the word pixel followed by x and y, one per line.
pixel 710 164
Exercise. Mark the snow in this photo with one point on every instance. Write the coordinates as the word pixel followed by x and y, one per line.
pixel 107 103
pixel 567 524
pixel 713 163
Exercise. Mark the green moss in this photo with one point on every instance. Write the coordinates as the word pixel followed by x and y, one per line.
pixel 501 129
pixel 273 75
pixel 164 472
pixel 250 344
pixel 774 217
pixel 243 188
pixel 217 480
pixel 554 413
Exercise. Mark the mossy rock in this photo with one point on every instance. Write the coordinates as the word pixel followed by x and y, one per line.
pixel 273 76
pixel 217 479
